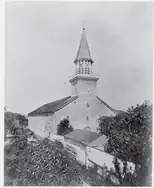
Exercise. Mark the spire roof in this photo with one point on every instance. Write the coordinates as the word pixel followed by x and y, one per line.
pixel 83 51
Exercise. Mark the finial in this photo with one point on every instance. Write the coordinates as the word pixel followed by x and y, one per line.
pixel 83 25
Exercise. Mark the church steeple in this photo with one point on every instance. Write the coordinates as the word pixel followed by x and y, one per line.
pixel 83 53
pixel 83 61
pixel 84 80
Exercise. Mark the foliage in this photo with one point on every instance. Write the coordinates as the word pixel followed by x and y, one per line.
pixel 130 138
pixel 43 164
pixel 64 127
pixel 10 120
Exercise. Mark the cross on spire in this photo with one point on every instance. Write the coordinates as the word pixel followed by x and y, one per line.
pixel 83 24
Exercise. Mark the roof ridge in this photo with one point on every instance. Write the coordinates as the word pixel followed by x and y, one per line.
pixel 47 104
pixel 112 109
pixel 54 106
pixel 59 100
pixel 73 99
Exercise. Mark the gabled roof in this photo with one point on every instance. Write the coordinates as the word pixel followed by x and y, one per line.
pixel 83 51
pixel 100 141
pixel 109 107
pixel 83 136
pixel 59 104
pixel 53 106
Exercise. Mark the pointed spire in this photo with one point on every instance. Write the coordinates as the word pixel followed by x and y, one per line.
pixel 83 51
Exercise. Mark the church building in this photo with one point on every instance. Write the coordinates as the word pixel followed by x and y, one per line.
pixel 83 107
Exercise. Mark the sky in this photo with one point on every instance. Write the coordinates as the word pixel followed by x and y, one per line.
pixel 41 43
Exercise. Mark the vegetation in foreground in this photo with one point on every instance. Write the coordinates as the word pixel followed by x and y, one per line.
pixel 130 139
pixel 29 161
pixel 38 162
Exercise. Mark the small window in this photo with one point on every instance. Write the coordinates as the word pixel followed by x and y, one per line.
pixel 87 118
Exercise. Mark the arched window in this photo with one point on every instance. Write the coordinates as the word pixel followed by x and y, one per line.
pixel 87 128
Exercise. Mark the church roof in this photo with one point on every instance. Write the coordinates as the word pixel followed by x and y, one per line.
pixel 109 107
pixel 83 51
pixel 53 106
pixel 59 104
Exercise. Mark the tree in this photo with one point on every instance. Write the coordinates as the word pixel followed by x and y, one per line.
pixel 64 127
pixel 130 139
pixel 11 119
pixel 47 163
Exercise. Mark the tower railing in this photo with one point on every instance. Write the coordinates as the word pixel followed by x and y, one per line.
pixel 94 75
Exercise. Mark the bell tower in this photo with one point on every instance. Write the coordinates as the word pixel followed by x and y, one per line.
pixel 83 80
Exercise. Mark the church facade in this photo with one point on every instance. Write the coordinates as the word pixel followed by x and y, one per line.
pixel 83 107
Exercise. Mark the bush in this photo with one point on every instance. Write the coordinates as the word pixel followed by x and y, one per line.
pixel 64 127
pixel 39 165
pixel 130 139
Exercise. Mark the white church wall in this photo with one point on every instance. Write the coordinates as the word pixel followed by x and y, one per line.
pixel 49 125
pixel 83 112
pixel 37 124
pixel 85 106
pixel 42 125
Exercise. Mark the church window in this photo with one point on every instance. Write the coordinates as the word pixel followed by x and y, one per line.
pixel 87 105
pixel 87 118
pixel 82 70
pixel 87 128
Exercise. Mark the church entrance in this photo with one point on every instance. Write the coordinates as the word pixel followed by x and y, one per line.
pixel 87 128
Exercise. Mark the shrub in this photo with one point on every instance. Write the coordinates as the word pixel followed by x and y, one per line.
pixel 64 127
pixel 39 165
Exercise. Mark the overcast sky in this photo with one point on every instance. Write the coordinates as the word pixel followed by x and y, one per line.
pixel 42 39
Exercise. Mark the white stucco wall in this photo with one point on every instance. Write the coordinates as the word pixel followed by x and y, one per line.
pixel 80 152
pixel 37 124
pixel 83 85
pixel 78 111
pixel 41 125
pixel 103 158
